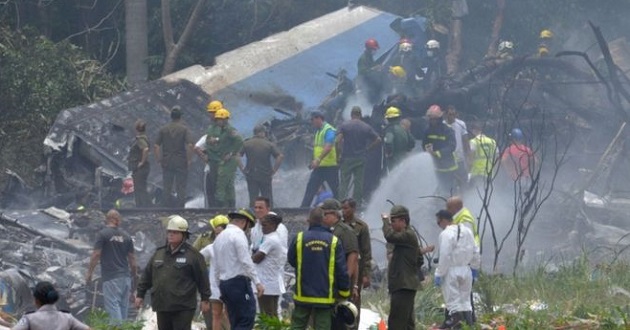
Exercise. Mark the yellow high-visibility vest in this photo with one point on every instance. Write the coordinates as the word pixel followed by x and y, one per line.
pixel 318 147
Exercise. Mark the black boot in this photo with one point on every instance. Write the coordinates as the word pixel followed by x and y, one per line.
pixel 468 318
pixel 452 322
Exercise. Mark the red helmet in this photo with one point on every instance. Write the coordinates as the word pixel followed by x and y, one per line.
pixel 127 186
pixel 371 44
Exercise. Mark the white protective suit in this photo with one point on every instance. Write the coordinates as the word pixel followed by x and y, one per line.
pixel 457 257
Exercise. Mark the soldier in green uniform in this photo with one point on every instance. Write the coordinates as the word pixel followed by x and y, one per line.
pixel 402 275
pixel 258 170
pixel 396 139
pixel 138 164
pixel 362 231
pixel 173 275
pixel 350 243
pixel 173 150
pixel 223 144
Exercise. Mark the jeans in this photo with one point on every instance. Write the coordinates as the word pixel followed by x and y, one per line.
pixel 116 298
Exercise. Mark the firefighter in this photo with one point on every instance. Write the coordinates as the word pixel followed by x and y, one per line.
pixel 208 237
pixel 210 172
pixel 483 151
pixel 223 144
pixel 316 292
pixel 396 139
pixel 439 141
pixel 433 65
pixel 369 81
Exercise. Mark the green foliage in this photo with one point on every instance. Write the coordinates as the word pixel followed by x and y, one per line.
pixel 569 297
pixel 40 77
pixel 265 322
pixel 99 320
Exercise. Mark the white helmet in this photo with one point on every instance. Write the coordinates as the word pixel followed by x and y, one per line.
pixel 506 46
pixel 432 44
pixel 346 312
pixel 177 223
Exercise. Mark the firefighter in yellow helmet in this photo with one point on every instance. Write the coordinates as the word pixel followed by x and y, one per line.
pixel 546 41
pixel 223 144
pixel 208 237
pixel 210 177
pixel 396 140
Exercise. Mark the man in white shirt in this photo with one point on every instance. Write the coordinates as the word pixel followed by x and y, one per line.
pixel 234 270
pixel 261 209
pixel 209 186
pixel 270 260
pixel 462 146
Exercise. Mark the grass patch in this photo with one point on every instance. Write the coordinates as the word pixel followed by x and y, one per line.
pixel 576 295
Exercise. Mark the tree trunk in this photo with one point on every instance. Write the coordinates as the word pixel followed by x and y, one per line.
pixel 454 46
pixel 173 49
pixel 496 29
pixel 136 41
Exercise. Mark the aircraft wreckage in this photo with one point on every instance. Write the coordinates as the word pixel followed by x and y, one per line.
pixel 87 145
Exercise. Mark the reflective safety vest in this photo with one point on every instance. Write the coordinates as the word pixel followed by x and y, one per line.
pixel 316 282
pixel 318 147
pixel 485 152
pixel 464 216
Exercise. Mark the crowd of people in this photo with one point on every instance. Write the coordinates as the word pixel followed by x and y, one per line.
pixel 236 271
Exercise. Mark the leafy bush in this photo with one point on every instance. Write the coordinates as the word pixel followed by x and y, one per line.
pixel 99 320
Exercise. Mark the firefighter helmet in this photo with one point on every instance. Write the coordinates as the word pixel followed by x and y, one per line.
pixel 243 214
pixel 405 45
pixel 219 220
pixel 222 114
pixel 371 44
pixel 505 46
pixel 434 112
pixel 516 134
pixel 398 71
pixel 433 44
pixel 215 105
pixel 392 112
pixel 177 223
pixel 127 186
pixel 546 34
pixel 346 312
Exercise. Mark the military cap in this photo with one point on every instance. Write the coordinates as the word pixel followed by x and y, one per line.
pixel 331 204
pixel 399 211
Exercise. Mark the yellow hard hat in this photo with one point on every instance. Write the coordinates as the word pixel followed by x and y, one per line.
pixel 398 71
pixel 215 105
pixel 392 112
pixel 222 114
pixel 546 34
pixel 543 50
pixel 219 220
